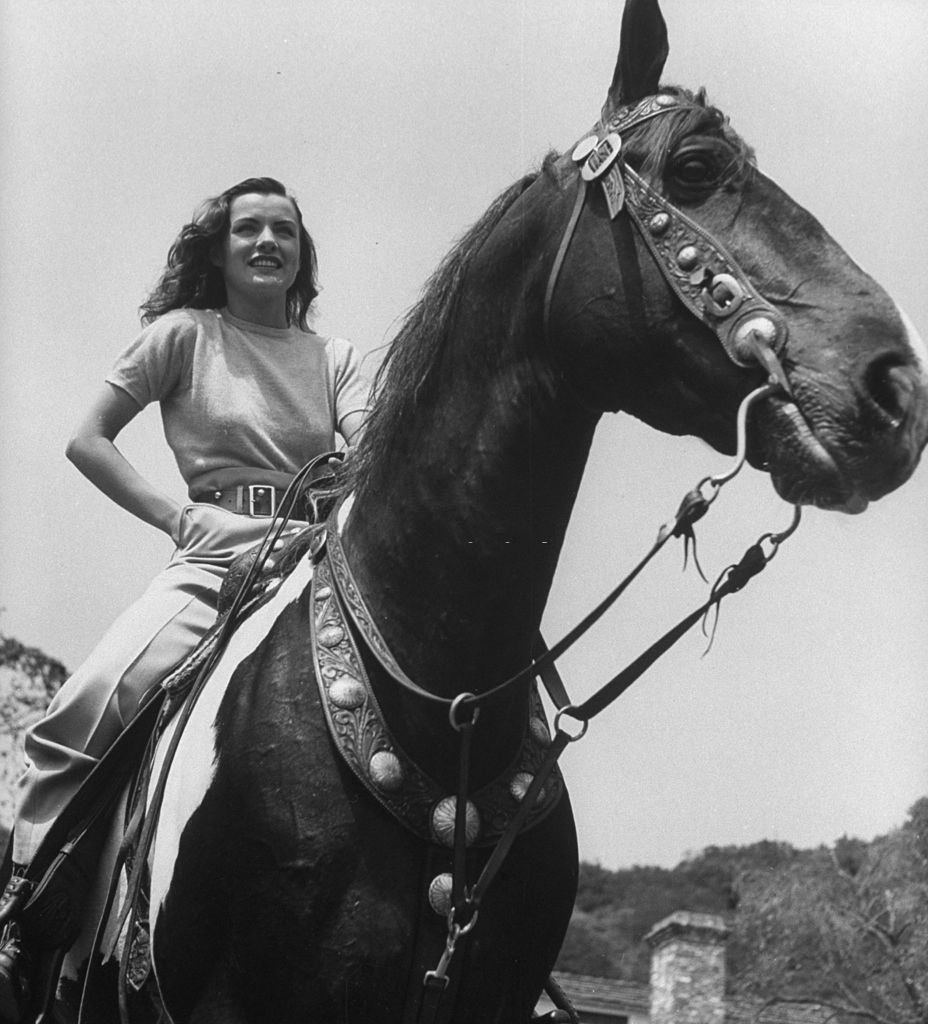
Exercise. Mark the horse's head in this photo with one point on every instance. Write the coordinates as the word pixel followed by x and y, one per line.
pixel 723 280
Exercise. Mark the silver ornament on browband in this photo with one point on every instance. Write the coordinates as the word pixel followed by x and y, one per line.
pixel 652 106
pixel 602 157
pixel 583 148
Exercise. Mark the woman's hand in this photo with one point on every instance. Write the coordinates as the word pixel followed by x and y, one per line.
pixel 93 452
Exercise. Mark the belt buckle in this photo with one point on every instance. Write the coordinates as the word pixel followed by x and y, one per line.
pixel 264 495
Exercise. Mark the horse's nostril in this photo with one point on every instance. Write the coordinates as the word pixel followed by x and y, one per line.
pixel 890 383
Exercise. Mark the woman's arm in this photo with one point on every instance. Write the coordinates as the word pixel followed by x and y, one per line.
pixel 92 450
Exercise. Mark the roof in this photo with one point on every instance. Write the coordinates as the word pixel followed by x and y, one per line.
pixel 751 1011
pixel 604 995
pixel 610 996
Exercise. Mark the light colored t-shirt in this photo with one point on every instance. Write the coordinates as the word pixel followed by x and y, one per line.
pixel 235 394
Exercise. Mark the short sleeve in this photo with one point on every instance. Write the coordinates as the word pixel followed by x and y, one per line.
pixel 158 362
pixel 351 390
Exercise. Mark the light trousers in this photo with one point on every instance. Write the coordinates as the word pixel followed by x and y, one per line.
pixel 139 649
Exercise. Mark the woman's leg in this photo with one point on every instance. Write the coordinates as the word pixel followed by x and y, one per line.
pixel 139 649
pixel 96 702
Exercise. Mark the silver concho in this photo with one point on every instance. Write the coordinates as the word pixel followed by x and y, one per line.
pixel 688 257
pixel 440 894
pixel 443 822
pixel 538 727
pixel 602 157
pixel 347 692
pixel 519 785
pixel 659 223
pixel 331 636
pixel 386 771
pixel 583 149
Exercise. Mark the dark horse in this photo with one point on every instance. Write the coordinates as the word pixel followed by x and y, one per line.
pixel 281 889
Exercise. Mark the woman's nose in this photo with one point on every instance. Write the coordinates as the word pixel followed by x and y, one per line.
pixel 266 238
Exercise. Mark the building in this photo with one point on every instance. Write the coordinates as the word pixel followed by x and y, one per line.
pixel 687 984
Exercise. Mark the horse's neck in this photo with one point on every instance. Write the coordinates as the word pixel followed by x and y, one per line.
pixel 457 534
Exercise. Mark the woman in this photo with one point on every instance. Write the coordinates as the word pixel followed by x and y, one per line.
pixel 248 395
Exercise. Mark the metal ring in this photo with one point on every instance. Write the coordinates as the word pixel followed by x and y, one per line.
pixel 456 707
pixel 569 710
pixel 776 539
pixel 714 484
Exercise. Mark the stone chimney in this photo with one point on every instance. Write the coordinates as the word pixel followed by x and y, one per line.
pixel 688 969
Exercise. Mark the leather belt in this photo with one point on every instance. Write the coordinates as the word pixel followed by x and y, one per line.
pixel 245 499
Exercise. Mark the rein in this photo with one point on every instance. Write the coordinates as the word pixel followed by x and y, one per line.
pixel 465 708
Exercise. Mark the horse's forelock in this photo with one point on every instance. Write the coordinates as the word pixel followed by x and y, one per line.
pixel 650 143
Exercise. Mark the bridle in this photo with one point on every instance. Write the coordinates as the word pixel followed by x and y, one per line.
pixel 694 264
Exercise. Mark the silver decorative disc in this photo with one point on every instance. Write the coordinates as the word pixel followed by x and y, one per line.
pixel 519 785
pixel 583 149
pixel 386 771
pixel 659 223
pixel 323 593
pixel 347 692
pixel 331 636
pixel 440 894
pixel 539 730
pixel 443 821
pixel 688 257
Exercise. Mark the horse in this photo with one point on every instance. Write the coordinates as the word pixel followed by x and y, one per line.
pixel 651 268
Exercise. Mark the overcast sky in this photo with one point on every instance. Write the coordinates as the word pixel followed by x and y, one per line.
pixel 396 123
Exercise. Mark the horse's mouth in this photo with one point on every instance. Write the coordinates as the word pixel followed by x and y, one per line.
pixel 803 470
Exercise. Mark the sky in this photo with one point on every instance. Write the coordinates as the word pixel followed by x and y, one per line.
pixel 395 124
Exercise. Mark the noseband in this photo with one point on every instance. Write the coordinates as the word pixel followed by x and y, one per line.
pixel 696 266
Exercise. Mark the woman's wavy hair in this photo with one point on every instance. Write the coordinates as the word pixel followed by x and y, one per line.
pixel 190 278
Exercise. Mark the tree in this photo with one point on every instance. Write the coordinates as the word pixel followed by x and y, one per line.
pixel 845 928
pixel 28 680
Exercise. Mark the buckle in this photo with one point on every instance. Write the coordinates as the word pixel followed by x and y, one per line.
pixel 262 500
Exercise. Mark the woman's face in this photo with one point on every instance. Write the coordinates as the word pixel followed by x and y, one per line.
pixel 260 256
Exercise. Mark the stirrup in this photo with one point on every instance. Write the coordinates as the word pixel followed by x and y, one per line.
pixel 15 987
pixel 17 892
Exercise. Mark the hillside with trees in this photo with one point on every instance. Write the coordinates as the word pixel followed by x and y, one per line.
pixel 28 680
pixel 843 926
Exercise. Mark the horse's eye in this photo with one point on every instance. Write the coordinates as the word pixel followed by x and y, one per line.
pixel 694 169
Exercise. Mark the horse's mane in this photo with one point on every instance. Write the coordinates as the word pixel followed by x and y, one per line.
pixel 409 370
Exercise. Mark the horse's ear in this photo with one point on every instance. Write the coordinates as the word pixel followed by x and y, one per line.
pixel 643 50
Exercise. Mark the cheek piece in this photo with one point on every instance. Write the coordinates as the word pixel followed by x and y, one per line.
pixel 695 265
